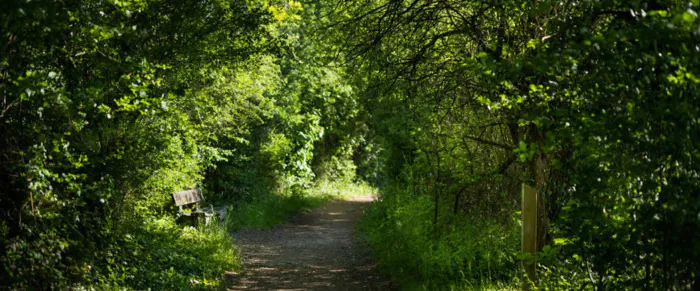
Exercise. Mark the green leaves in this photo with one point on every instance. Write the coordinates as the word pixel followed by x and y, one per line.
pixel 689 16
pixel 524 153
pixel 590 100
pixel 105 115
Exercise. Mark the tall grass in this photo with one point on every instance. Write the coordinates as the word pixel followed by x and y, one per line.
pixel 158 254
pixel 462 253
pixel 266 211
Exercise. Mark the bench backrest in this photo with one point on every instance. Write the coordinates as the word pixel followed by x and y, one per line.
pixel 188 197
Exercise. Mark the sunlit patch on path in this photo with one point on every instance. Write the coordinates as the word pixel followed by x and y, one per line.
pixel 315 251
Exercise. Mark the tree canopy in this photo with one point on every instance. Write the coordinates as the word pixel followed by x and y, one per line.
pixel 108 107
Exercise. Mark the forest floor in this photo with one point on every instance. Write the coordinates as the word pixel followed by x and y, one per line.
pixel 317 250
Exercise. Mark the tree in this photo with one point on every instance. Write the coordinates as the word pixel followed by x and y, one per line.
pixel 583 93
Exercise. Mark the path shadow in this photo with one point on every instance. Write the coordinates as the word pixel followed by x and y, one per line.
pixel 314 251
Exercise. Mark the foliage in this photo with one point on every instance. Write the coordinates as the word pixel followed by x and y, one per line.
pixel 591 102
pixel 448 106
pixel 399 227
pixel 164 256
pixel 108 107
pixel 157 254
pixel 639 211
pixel 101 120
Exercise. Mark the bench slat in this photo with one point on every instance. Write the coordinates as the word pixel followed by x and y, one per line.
pixel 187 197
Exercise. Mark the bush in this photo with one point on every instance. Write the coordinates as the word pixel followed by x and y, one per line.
pixel 154 254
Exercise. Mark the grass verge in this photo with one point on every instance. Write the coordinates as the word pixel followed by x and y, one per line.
pixel 270 210
pixel 159 254
pixel 462 253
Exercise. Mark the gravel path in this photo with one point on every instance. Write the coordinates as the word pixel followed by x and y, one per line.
pixel 314 251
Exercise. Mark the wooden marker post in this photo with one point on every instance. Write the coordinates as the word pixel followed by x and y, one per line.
pixel 529 233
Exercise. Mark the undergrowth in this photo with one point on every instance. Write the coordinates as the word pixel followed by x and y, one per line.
pixel 266 211
pixel 162 255
pixel 462 253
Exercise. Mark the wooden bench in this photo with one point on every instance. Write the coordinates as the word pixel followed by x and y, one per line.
pixel 194 196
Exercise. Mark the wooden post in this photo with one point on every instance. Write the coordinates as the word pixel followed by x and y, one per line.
pixel 529 233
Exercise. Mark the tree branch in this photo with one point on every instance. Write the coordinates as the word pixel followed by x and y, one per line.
pixel 488 142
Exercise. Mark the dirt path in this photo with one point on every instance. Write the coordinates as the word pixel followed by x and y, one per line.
pixel 315 251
